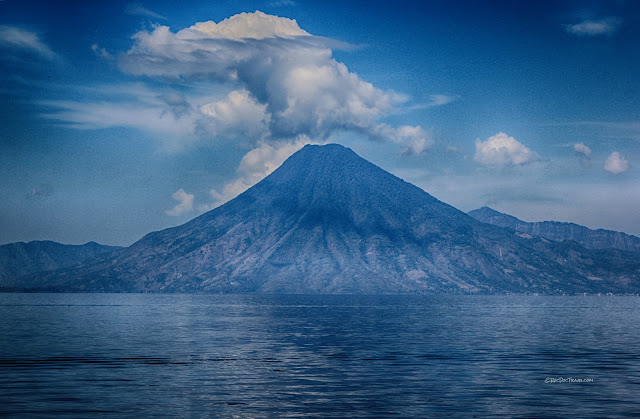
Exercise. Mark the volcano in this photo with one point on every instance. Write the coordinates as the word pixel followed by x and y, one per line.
pixel 329 222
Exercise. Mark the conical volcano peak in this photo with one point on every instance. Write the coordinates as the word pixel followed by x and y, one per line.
pixel 327 163
pixel 332 184
pixel 332 149
pixel 324 155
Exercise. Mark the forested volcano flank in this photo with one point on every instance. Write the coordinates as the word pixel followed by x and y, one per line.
pixel 328 221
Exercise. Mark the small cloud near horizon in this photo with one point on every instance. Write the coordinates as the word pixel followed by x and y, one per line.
pixel 590 28
pixel 185 203
pixel 583 152
pixel 616 163
pixel 503 150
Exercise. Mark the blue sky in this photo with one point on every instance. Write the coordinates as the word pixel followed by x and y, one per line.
pixel 120 118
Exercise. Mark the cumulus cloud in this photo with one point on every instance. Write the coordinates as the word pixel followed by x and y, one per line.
pixel 583 153
pixel 582 150
pixel 255 166
pixel 255 25
pixel 285 81
pixel 588 28
pixel 616 163
pixel 19 39
pixel 237 115
pixel 266 80
pixel 185 203
pixel 502 150
pixel 137 9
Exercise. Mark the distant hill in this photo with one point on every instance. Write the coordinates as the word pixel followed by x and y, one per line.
pixel 20 259
pixel 328 222
pixel 557 231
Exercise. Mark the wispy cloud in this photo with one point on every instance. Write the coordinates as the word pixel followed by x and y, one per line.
pixel 16 38
pixel 589 28
pixel 627 129
pixel 436 100
pixel 282 3
pixel 137 9
pixel 101 52
pixel 157 117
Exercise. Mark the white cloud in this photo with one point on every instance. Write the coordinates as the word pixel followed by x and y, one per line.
pixel 616 163
pixel 582 150
pixel 290 85
pixel 237 115
pixel 255 25
pixel 606 26
pixel 185 203
pixel 414 140
pixel 255 166
pixel 16 38
pixel 274 83
pixel 136 9
pixel 501 150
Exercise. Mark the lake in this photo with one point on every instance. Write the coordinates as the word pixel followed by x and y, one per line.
pixel 80 355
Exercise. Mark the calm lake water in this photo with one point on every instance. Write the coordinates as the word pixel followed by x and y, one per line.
pixel 128 355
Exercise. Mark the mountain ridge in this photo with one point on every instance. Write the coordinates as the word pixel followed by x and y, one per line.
pixel 25 258
pixel 560 231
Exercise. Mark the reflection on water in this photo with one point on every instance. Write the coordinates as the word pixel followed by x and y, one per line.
pixel 256 356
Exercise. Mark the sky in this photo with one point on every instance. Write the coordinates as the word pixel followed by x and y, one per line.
pixel 121 118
